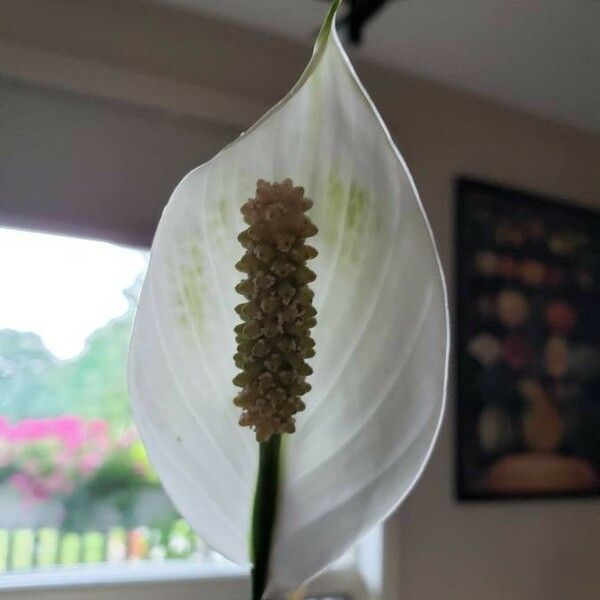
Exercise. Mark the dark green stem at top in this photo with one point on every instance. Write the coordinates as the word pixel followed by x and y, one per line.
pixel 264 513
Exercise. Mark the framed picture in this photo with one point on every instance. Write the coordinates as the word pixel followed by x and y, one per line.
pixel 528 345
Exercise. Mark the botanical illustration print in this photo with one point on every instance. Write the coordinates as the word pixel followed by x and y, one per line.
pixel 529 344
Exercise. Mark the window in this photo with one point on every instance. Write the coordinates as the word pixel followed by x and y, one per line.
pixel 79 501
pixel 75 483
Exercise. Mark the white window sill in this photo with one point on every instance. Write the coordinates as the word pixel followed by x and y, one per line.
pixel 176 581
pixel 118 574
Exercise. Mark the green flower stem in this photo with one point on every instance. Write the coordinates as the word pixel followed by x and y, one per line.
pixel 264 513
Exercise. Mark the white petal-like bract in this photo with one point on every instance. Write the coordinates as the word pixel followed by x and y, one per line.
pixel 381 336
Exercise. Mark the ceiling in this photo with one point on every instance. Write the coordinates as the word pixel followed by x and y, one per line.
pixel 542 56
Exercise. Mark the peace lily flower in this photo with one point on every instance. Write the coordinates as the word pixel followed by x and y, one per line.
pixel 344 434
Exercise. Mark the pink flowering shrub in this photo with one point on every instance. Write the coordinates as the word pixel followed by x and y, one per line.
pixel 54 457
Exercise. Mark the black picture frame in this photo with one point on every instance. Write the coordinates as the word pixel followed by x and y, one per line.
pixel 527 345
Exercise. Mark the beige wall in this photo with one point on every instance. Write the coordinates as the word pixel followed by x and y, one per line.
pixel 510 551
pixel 536 550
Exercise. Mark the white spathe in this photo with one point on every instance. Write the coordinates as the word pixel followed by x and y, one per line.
pixel 381 338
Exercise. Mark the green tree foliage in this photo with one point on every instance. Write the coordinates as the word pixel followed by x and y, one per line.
pixel 35 384
pixel 25 364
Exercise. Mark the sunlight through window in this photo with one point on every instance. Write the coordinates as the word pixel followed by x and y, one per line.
pixel 75 483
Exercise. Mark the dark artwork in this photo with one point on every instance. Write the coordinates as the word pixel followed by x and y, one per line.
pixel 528 345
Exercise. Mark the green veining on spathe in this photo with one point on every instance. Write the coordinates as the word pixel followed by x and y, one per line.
pixel 347 208
pixel 355 228
pixel 334 204
pixel 224 212
pixel 188 268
